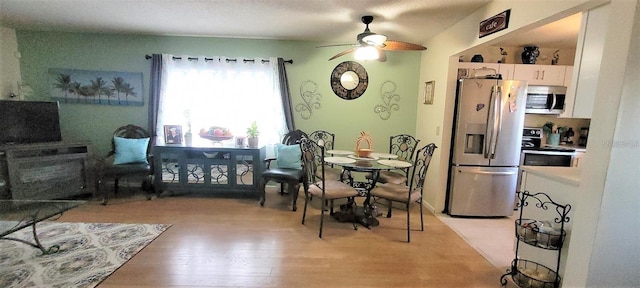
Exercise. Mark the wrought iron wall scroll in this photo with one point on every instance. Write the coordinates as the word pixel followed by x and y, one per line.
pixel 310 98
pixel 389 100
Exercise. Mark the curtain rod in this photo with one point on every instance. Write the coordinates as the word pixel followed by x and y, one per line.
pixel 290 61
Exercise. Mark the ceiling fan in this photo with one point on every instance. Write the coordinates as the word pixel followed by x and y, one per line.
pixel 371 45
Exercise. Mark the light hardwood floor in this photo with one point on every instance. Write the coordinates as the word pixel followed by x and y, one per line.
pixel 220 242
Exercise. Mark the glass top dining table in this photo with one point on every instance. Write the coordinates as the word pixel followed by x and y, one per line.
pixel 376 162
pixel 373 164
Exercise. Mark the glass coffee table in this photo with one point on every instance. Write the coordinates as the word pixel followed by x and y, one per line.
pixel 18 214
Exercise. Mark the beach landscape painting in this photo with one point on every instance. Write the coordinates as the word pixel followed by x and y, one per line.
pixel 96 87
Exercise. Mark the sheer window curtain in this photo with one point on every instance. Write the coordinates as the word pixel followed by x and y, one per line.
pixel 200 92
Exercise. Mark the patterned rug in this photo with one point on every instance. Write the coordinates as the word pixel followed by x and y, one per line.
pixel 89 253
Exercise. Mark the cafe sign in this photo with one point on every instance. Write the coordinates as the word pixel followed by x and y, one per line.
pixel 494 24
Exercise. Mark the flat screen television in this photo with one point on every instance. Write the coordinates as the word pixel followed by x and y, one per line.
pixel 23 122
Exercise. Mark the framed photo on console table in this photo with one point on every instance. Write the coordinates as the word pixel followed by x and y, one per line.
pixel 173 134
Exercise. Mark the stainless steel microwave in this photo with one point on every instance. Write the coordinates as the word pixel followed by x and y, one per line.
pixel 545 99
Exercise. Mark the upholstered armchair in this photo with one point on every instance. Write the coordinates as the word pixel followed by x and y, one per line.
pixel 287 169
pixel 130 157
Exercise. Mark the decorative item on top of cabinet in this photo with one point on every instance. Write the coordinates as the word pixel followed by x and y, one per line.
pixel 556 58
pixel 472 70
pixel 477 58
pixel 530 54
pixel 504 54
pixel 539 234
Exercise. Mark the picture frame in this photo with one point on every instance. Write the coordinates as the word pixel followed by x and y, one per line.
pixel 173 134
pixel 429 88
pixel 120 88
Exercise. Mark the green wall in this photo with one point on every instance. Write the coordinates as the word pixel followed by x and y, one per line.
pixel 43 50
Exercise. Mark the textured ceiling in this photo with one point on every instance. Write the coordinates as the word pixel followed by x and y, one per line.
pixel 327 21
pixel 331 21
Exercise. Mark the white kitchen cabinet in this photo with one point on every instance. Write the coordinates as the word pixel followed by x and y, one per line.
pixel 507 71
pixel 540 74
pixel 588 60
pixel 480 69
pixel 571 93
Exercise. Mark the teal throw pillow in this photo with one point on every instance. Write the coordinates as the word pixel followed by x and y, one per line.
pixel 289 156
pixel 130 150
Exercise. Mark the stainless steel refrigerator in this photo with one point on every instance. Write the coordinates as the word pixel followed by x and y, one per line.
pixel 486 144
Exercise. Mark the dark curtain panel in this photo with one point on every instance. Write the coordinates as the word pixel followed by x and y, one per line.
pixel 154 97
pixel 286 95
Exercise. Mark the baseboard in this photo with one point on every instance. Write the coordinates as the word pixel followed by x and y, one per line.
pixel 429 207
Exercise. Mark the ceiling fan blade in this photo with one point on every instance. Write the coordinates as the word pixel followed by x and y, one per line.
pixel 345 52
pixel 399 45
pixel 335 45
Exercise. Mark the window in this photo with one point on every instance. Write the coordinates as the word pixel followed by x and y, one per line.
pixel 202 92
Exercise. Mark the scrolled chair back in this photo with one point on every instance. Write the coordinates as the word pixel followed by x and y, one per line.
pixel 311 151
pixel 420 166
pixel 323 138
pixel 293 137
pixel 403 145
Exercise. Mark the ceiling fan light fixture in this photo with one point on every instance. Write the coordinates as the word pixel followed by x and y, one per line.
pixel 366 53
pixel 375 39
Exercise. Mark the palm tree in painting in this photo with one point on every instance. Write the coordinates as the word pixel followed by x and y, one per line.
pixel 86 92
pixel 63 82
pixel 118 86
pixel 128 91
pixel 98 87
pixel 75 89
pixel 107 91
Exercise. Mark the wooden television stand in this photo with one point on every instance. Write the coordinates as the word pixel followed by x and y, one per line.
pixel 51 170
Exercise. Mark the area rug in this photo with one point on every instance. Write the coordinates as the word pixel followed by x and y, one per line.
pixel 89 253
pixel 493 238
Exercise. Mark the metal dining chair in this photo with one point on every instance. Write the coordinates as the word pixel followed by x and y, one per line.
pixel 402 145
pixel 326 139
pixel 412 192
pixel 317 185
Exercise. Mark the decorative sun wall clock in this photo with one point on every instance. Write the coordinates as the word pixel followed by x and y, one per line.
pixel 349 80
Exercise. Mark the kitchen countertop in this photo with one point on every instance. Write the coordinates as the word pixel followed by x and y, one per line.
pixel 569 175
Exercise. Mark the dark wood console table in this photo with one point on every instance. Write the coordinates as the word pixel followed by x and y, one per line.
pixel 205 166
